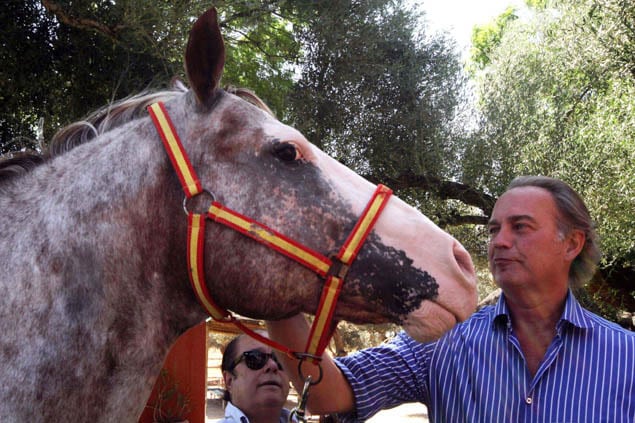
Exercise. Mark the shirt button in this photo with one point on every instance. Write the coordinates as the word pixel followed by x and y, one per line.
pixel 528 400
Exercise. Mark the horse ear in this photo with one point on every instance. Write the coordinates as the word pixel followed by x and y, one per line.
pixel 205 56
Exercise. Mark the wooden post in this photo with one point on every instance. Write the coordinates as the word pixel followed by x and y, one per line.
pixel 185 368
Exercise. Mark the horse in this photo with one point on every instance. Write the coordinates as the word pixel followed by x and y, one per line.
pixel 94 281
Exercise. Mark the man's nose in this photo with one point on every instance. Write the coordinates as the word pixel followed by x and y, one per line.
pixel 501 238
pixel 271 365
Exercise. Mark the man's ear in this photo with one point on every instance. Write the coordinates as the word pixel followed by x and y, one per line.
pixel 575 243
pixel 228 378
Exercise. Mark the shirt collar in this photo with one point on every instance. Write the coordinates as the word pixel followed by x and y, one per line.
pixel 573 312
pixel 501 312
pixel 234 414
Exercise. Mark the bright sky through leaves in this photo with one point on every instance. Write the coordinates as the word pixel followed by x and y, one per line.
pixel 458 17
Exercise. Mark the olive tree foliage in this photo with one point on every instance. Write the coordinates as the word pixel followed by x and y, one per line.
pixel 62 59
pixel 487 37
pixel 379 93
pixel 373 94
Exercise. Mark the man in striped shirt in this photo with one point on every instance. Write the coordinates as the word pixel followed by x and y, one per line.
pixel 535 356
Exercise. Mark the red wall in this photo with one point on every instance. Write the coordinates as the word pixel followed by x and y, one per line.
pixel 186 365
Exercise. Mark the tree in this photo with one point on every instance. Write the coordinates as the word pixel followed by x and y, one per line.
pixel 24 42
pixel 488 36
pixel 380 97
pixel 62 59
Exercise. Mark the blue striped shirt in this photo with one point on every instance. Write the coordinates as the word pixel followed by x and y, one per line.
pixel 476 372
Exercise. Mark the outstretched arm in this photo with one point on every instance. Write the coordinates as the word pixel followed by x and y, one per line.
pixel 333 394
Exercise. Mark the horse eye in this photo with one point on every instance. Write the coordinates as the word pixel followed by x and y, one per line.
pixel 285 151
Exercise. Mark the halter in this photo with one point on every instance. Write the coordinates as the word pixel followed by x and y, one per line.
pixel 332 270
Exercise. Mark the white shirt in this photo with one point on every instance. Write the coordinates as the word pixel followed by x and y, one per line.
pixel 234 415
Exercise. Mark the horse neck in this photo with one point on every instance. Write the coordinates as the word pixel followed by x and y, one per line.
pixel 100 230
pixel 126 198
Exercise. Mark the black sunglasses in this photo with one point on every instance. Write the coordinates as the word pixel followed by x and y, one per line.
pixel 255 360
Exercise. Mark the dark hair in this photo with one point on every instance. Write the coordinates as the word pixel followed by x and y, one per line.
pixel 573 215
pixel 229 355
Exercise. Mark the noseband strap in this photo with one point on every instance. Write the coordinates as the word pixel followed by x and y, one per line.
pixel 332 270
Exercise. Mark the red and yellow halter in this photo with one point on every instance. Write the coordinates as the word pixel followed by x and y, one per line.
pixel 332 270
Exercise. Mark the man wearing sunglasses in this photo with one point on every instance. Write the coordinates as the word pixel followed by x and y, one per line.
pixel 256 384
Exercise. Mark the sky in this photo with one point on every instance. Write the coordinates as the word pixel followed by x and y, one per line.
pixel 459 16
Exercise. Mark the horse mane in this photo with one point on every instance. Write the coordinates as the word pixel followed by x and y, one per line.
pixel 250 97
pixel 101 121
pixel 106 119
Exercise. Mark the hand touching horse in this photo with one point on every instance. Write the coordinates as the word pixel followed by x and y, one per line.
pixel 95 281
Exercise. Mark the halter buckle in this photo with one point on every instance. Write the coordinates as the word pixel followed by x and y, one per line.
pixel 199 204
pixel 338 268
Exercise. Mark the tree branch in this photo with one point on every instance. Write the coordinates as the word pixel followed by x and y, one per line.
pixel 446 190
pixel 81 23
pixel 455 219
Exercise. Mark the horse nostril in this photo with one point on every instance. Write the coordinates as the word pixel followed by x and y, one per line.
pixel 464 261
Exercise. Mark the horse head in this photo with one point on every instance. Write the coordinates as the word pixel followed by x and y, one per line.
pixel 94 244
pixel 408 271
